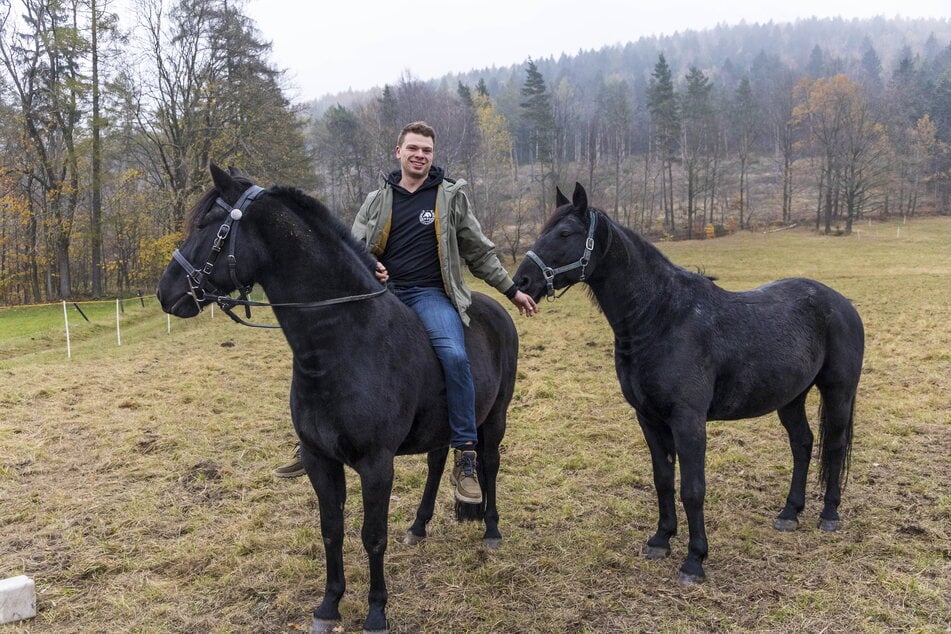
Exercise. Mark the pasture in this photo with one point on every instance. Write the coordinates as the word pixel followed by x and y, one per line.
pixel 136 487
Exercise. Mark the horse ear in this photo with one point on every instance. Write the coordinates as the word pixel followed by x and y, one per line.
pixel 234 171
pixel 560 199
pixel 222 179
pixel 580 198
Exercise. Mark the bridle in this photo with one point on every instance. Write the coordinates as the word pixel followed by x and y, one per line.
pixel 197 278
pixel 582 262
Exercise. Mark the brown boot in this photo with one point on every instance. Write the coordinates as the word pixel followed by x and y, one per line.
pixel 465 477
pixel 293 469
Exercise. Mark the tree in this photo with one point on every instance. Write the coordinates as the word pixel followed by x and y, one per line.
pixel 538 114
pixel 43 65
pixel 744 119
pixel 695 141
pixel 614 109
pixel 101 22
pixel 344 142
pixel 665 122
pixel 848 140
pixel 207 91
pixel 496 182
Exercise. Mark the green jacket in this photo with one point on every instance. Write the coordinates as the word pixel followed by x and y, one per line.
pixel 460 238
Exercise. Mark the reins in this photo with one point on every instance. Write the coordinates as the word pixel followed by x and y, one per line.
pixel 197 278
pixel 549 273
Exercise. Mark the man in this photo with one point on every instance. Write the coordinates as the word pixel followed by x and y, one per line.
pixel 420 227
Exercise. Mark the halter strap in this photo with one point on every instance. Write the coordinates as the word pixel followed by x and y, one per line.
pixel 549 273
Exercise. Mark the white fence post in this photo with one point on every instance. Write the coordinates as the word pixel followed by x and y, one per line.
pixel 69 354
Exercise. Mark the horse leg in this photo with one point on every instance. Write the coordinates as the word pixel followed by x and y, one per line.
pixel 835 416
pixel 490 437
pixel 376 478
pixel 691 442
pixel 793 418
pixel 327 478
pixel 663 457
pixel 436 461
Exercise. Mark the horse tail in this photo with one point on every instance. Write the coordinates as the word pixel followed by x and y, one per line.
pixel 830 427
pixel 467 512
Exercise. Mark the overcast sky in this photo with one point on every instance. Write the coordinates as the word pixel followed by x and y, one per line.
pixel 329 46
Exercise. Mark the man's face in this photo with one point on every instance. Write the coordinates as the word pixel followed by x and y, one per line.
pixel 415 155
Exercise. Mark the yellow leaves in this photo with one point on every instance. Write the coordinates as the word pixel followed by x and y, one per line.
pixel 14 206
pixel 497 140
pixel 156 254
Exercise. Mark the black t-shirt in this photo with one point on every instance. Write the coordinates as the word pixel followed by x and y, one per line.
pixel 411 256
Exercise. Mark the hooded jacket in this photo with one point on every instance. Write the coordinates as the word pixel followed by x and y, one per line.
pixel 459 238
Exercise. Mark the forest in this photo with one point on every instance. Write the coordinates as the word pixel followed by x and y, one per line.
pixel 106 134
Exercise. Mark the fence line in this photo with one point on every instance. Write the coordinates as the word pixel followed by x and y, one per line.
pixel 37 331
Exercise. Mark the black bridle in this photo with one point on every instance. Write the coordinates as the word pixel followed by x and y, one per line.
pixel 581 263
pixel 197 278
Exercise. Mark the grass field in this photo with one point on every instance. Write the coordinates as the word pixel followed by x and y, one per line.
pixel 136 487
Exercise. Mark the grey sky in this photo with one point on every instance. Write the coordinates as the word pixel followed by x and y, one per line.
pixel 328 47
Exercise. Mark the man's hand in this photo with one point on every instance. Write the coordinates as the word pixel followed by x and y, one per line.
pixel 526 305
pixel 381 273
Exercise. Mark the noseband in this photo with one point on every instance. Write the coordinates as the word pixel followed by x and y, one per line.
pixel 197 278
pixel 581 263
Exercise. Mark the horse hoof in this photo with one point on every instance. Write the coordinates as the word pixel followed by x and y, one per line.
pixel 322 625
pixel 655 552
pixel 785 525
pixel 413 540
pixel 384 631
pixel 492 543
pixel 829 526
pixel 686 579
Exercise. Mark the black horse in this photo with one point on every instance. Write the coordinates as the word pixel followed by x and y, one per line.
pixel 687 351
pixel 366 383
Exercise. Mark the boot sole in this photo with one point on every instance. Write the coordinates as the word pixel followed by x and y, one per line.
pixel 290 474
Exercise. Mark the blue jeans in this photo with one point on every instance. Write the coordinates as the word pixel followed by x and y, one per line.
pixel 444 327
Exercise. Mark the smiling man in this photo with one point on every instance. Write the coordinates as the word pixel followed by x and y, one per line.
pixel 421 228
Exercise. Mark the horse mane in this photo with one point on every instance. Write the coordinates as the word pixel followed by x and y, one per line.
pixel 631 241
pixel 313 211
pixel 654 255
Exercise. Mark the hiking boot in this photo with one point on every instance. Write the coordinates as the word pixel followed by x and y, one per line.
pixel 293 469
pixel 465 478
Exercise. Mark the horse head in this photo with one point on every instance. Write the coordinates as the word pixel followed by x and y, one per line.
pixel 561 256
pixel 212 261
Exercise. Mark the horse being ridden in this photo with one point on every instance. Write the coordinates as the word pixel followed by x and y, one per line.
pixel 366 383
pixel 687 351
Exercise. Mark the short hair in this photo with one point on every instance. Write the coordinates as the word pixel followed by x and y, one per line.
pixel 417 127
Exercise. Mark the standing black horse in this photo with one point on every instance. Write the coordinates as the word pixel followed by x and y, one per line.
pixel 687 351
pixel 366 383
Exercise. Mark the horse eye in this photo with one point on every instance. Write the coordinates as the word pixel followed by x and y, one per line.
pixel 564 233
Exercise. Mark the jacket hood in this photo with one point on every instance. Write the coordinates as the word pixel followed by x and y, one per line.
pixel 436 176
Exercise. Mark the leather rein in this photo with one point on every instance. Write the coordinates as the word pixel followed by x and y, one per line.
pixel 197 278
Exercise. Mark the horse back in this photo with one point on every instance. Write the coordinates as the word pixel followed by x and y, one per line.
pixel 783 338
pixel 742 354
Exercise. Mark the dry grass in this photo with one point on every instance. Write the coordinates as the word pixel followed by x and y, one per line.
pixel 136 490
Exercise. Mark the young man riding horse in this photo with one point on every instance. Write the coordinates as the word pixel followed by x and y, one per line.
pixel 420 226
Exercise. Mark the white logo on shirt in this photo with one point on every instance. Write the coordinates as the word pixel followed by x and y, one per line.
pixel 426 217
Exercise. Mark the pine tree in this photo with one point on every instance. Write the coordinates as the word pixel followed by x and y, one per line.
pixel 662 105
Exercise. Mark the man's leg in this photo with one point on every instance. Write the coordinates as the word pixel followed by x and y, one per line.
pixel 446 334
